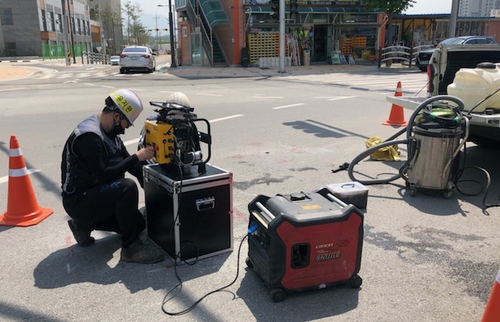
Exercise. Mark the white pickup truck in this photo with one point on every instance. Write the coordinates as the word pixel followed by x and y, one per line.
pixel 471 83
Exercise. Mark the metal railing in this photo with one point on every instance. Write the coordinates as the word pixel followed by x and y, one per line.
pixel 400 54
pixel 395 54
pixel 94 58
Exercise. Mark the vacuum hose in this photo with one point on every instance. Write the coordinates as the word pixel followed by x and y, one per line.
pixel 409 141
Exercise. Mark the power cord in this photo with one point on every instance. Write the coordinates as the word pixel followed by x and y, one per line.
pixel 179 286
pixel 485 189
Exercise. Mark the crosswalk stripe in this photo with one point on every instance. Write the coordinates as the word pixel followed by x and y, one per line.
pixel 411 82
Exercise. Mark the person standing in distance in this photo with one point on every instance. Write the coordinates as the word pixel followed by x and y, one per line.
pixel 95 192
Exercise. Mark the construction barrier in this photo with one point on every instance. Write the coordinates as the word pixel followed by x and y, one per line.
pixel 22 207
pixel 396 117
pixel 492 311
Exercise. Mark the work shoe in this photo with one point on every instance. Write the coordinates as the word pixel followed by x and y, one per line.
pixel 81 234
pixel 139 252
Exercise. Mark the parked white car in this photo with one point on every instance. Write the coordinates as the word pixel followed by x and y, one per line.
pixel 137 58
pixel 114 60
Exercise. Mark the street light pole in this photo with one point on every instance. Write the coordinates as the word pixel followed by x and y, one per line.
pixel 453 18
pixel 157 41
pixel 101 30
pixel 64 27
pixel 171 29
pixel 71 34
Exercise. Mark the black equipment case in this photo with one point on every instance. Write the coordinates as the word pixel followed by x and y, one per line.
pixel 304 241
pixel 189 214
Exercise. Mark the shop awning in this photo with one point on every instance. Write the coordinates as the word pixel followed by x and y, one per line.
pixel 304 9
pixel 214 12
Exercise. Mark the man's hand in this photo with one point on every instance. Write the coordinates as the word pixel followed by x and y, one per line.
pixel 145 153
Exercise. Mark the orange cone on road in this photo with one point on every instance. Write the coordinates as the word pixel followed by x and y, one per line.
pixel 397 117
pixel 22 207
pixel 492 311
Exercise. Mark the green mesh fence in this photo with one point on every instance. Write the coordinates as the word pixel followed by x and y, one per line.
pixel 53 51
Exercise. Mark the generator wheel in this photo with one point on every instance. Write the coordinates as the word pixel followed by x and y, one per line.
pixel 450 189
pixel 355 281
pixel 447 194
pixel 413 192
pixel 249 263
pixel 277 295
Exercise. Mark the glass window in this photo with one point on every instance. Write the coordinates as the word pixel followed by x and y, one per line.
pixel 43 21
pixel 135 50
pixel 59 25
pixel 10 49
pixel 50 22
pixel 6 16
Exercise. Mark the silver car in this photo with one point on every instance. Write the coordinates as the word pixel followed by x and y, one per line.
pixel 137 58
pixel 114 60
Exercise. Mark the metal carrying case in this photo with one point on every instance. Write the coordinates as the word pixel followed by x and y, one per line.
pixel 304 241
pixel 188 214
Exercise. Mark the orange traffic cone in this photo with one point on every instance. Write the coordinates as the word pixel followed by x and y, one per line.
pixel 492 311
pixel 22 207
pixel 397 117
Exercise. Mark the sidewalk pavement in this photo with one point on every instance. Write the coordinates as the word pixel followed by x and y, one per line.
pixel 8 72
pixel 15 70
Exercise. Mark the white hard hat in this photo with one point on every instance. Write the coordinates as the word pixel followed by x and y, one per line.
pixel 128 102
pixel 178 98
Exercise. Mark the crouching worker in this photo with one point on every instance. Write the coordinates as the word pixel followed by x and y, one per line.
pixel 95 192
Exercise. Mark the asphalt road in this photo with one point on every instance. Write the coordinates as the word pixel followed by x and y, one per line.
pixel 424 258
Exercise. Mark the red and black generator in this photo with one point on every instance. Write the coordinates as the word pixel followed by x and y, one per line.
pixel 304 241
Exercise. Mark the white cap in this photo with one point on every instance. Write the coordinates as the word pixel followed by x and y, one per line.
pixel 178 98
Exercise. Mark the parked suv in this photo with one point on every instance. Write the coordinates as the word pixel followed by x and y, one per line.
pixel 137 58
pixel 425 55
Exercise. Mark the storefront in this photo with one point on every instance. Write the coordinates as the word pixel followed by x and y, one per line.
pixel 318 35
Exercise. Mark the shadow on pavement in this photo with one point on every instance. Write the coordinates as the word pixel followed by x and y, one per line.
pixel 300 306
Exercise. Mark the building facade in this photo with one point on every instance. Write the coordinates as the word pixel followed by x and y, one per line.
pixel 422 30
pixel 38 28
pixel 477 8
pixel 232 32
pixel 111 20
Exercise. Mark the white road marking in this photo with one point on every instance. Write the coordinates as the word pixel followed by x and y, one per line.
pixel 208 94
pixel 11 89
pixel 286 106
pixel 266 96
pixel 225 118
pixel 341 98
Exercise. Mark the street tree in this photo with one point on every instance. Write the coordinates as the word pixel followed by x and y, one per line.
pixel 137 33
pixel 111 25
pixel 390 8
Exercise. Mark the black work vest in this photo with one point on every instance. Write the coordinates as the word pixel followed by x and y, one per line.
pixel 75 174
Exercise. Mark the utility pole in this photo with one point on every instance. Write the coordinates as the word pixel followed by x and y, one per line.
pixel 64 23
pixel 101 29
pixel 157 41
pixel 282 36
pixel 173 64
pixel 71 35
pixel 453 18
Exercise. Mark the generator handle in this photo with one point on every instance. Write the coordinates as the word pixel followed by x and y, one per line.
pixel 335 199
pixel 207 136
pixel 267 213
